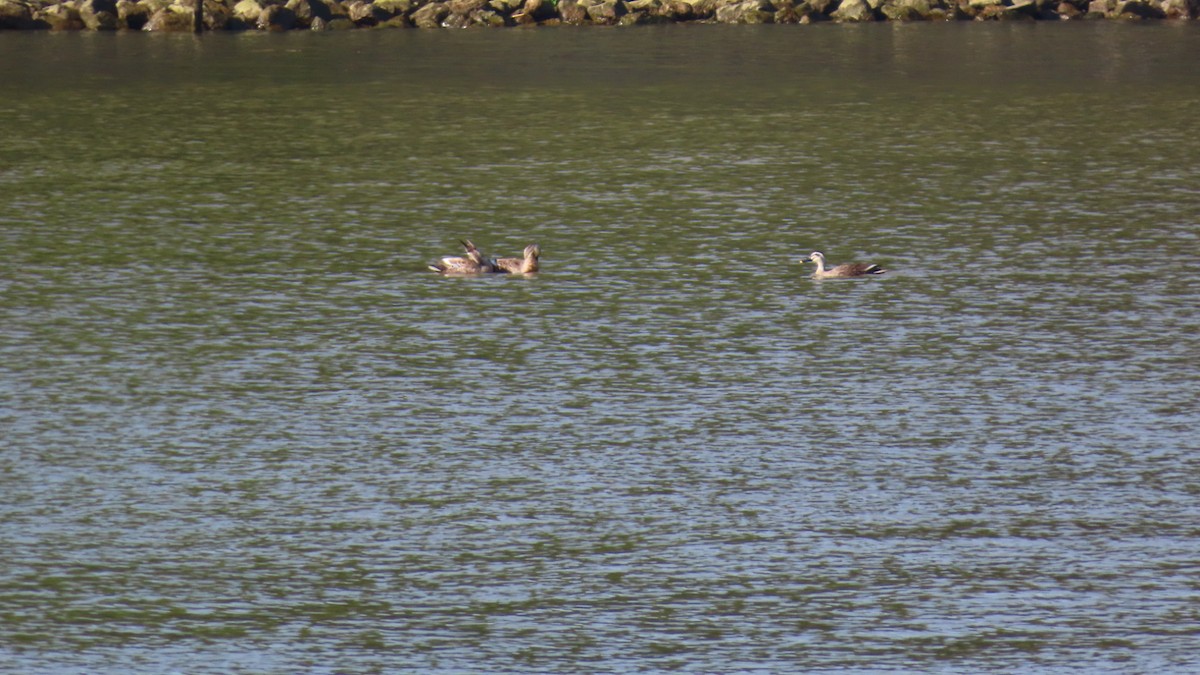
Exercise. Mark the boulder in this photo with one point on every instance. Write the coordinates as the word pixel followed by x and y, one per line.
pixel 397 7
pixel 534 11
pixel 704 9
pixel 894 12
pixel 132 15
pixel 1138 9
pixel 217 15
pixel 338 22
pixel 466 7
pixel 678 10
pixel 61 17
pixel 748 11
pixel 1180 9
pixel 152 6
pixel 308 11
pixel 431 15
pixel 247 12
pixel 91 8
pixel 171 19
pixel 1019 9
pixel 101 20
pixel 276 19
pixel 489 18
pixel 1045 9
pixel 1029 8
pixel 572 12
pixel 1066 11
pixel 364 13
pixel 606 12
pixel 15 15
pixel 907 10
pixel 853 11
pixel 660 11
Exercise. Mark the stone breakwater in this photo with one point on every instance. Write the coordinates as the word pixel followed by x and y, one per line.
pixel 283 15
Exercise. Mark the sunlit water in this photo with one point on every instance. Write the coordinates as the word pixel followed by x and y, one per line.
pixel 245 431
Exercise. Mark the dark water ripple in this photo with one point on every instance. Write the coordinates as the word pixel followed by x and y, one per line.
pixel 246 433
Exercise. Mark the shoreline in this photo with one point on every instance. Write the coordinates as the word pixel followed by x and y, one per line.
pixel 286 15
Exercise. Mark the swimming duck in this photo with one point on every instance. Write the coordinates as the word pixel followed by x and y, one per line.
pixel 843 270
pixel 473 262
pixel 526 265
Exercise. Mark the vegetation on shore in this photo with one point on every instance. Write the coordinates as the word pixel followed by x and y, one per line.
pixel 282 15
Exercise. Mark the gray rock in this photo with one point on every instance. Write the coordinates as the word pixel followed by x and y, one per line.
pixel 431 15
pixel 679 10
pixel 657 11
pixel 748 11
pixel 171 19
pixel 1180 9
pixel 276 18
pixel 217 15
pixel 538 10
pixel 60 17
pixel 15 15
pixel 1138 9
pixel 704 9
pixel 364 13
pixel 489 18
pixel 308 11
pixel 99 14
pixel 606 12
pixel 466 7
pixel 907 10
pixel 572 12
pixel 132 15
pixel 397 7
pixel 1067 11
pixel 247 12
pixel 338 22
pixel 852 11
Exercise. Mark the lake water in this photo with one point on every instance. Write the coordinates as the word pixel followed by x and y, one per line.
pixel 245 431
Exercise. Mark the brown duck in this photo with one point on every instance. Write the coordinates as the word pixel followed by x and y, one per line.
pixel 473 262
pixel 526 265
pixel 843 270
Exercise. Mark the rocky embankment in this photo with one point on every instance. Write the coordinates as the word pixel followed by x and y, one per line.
pixel 281 15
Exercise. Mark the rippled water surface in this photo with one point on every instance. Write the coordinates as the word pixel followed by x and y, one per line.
pixel 243 429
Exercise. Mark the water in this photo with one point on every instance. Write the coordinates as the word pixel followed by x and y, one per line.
pixel 245 431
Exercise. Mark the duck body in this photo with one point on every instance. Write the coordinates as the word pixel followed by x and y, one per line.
pixel 845 270
pixel 474 262
pixel 525 265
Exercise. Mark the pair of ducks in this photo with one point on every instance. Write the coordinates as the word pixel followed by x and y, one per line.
pixel 474 262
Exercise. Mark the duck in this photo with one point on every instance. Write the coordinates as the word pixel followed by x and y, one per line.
pixel 843 270
pixel 474 262
pixel 525 265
